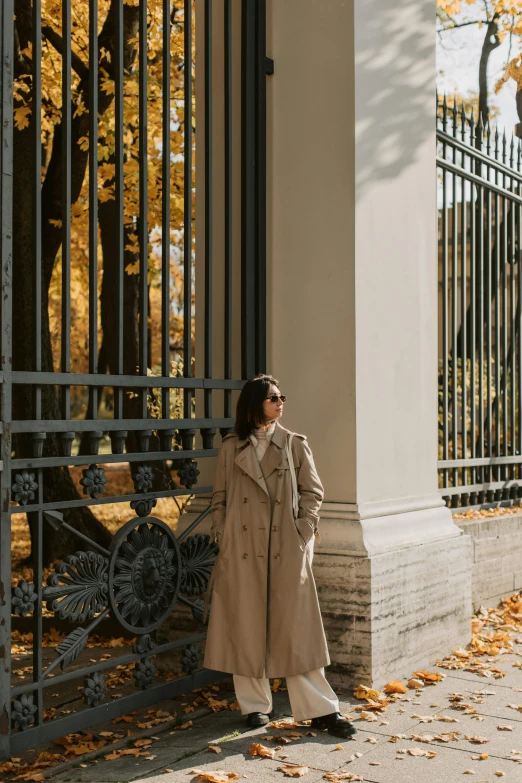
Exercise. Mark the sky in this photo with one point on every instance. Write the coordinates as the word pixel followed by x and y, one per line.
pixel 458 56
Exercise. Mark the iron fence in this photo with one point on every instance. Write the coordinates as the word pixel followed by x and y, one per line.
pixel 480 297
pixel 118 270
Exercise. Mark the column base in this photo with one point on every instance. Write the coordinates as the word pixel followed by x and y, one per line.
pixel 395 589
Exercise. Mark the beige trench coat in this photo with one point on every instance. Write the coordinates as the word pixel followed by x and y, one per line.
pixel 265 614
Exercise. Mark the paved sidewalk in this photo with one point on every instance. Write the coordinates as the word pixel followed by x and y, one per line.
pixel 477 716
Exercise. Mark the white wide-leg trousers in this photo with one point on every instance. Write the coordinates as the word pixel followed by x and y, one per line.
pixel 310 695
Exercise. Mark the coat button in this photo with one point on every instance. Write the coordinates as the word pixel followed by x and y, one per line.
pixel 244 474
pixel 245 527
pixel 279 472
pixel 276 556
pixel 277 500
pixel 275 528
pixel 245 556
pixel 245 500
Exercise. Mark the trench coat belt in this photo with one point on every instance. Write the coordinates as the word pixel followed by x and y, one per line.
pixel 208 594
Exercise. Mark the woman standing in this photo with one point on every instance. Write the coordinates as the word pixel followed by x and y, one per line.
pixel 265 619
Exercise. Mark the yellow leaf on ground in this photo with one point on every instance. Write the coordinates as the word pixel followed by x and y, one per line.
pixel 202 776
pixel 395 687
pixel 428 676
pixel 362 692
pixel 293 771
pixel 284 723
pixel 256 749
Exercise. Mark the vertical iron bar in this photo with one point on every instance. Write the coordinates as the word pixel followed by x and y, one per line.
pixel 260 163
pixel 66 204
pixel 37 555
pixel 37 197
pixel 187 211
pixel 208 206
pixel 480 229
pixel 37 542
pixel 505 471
pixel 248 190
pixel 489 318
pixel 119 196
pixel 227 409
pixel 143 204
pixel 463 303
pixel 454 303
pixel 498 472
pixel 6 250
pixel 93 204
pixel 473 311
pixel 165 211
pixel 513 329
pixel 518 250
pixel 445 321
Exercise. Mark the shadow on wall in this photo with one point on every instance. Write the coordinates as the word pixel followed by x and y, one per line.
pixel 395 85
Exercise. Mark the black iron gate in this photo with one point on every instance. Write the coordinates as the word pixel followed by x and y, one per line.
pixel 119 275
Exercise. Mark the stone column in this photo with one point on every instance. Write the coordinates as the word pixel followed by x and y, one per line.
pixel 352 336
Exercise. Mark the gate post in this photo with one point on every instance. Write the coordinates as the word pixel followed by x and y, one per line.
pixel 353 324
pixel 6 182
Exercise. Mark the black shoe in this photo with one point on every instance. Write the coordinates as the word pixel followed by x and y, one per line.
pixel 335 723
pixel 255 719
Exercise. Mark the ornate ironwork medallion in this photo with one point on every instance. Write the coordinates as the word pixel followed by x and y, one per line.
pixel 144 574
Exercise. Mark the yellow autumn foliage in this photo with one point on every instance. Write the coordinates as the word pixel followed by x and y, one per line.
pixel 51 112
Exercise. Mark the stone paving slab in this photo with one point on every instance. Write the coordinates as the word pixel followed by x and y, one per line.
pixel 512 674
pixel 183 751
pixel 448 766
pixel 168 749
pixel 494 701
pixel 501 743
pixel 256 770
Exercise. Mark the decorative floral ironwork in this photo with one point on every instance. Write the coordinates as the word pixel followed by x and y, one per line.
pixel 144 672
pixel 24 487
pixel 93 481
pixel 23 598
pixel 188 474
pixel 78 589
pixel 94 689
pixel 190 658
pixel 143 645
pixel 23 711
pixel 144 574
pixel 197 610
pixel 198 554
pixel 143 506
pixel 143 478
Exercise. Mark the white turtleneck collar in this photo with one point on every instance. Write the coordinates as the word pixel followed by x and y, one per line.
pixel 262 434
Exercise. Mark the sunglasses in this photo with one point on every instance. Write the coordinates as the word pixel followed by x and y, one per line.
pixel 276 397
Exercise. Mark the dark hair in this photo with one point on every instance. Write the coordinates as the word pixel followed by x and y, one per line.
pixel 249 410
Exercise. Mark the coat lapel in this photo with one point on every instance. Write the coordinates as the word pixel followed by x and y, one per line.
pixel 275 456
pixel 272 459
pixel 247 461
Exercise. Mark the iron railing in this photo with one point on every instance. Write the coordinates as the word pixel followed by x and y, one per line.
pixel 92 386
pixel 480 297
